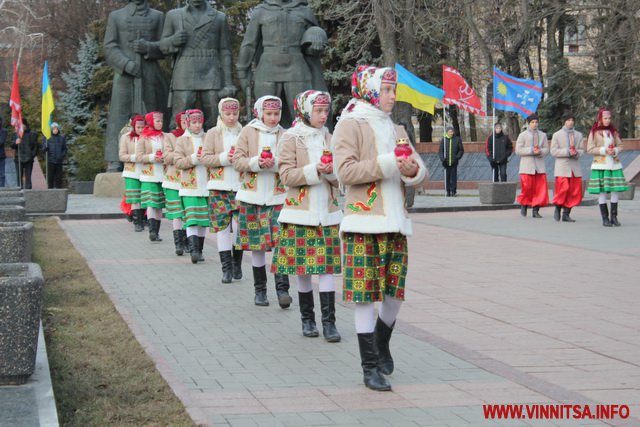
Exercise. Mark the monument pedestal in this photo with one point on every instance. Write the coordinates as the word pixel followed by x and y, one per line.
pixel 109 184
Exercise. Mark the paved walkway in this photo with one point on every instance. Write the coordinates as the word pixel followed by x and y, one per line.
pixel 500 309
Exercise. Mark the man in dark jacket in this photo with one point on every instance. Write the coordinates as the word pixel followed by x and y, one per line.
pixel 56 149
pixel 3 155
pixel 498 153
pixel 451 151
pixel 26 151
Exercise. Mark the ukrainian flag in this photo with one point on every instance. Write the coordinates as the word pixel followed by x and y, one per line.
pixel 47 102
pixel 416 91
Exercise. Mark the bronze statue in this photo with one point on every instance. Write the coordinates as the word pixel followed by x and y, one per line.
pixel 138 84
pixel 198 37
pixel 284 40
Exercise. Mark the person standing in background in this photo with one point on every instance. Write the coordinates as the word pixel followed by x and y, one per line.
pixel 26 151
pixel 498 150
pixel 451 151
pixel 56 150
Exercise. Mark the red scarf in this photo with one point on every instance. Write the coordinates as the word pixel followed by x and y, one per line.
pixel 149 129
pixel 133 133
pixel 178 131
pixel 599 126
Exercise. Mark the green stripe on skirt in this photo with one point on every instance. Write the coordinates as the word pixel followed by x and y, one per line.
pixel 196 211
pixel 132 190
pixel 606 181
pixel 152 195
pixel 173 204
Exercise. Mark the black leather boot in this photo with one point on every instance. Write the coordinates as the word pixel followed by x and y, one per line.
pixel 536 212
pixel 237 264
pixel 194 248
pixel 328 307
pixel 282 290
pixel 137 220
pixel 604 212
pixel 307 315
pixel 614 215
pixel 177 242
pixel 373 378
pixel 201 248
pixel 383 336
pixel 565 215
pixel 225 260
pixel 260 285
pixel 158 222
pixel 523 210
pixel 556 213
pixel 183 241
pixel 153 236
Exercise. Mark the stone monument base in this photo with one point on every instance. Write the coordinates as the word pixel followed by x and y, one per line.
pixel 497 193
pixel 109 184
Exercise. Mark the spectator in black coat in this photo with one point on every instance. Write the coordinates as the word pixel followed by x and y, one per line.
pixel 451 151
pixel 56 149
pixel 3 155
pixel 503 150
pixel 26 151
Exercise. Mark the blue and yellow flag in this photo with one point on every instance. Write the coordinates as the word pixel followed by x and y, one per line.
pixel 47 102
pixel 511 93
pixel 416 91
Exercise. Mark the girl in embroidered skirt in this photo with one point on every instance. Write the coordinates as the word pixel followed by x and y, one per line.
pixel 375 225
pixel 308 242
pixel 149 153
pixel 606 170
pixel 261 194
pixel 132 169
pixel 193 176
pixel 171 185
pixel 224 181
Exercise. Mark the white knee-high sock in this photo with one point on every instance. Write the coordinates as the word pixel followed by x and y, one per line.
pixel 365 316
pixel 192 231
pixel 326 283
pixel 258 258
pixel 389 310
pixel 135 205
pixel 177 224
pixel 202 231
pixel 615 196
pixel 223 238
pixel 304 283
pixel 602 198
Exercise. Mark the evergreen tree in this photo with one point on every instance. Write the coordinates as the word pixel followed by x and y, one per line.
pixel 77 106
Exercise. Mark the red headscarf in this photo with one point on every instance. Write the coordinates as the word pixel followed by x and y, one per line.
pixel 149 129
pixel 178 131
pixel 599 126
pixel 133 133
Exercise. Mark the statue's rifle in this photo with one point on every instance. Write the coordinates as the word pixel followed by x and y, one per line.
pixel 173 63
pixel 138 100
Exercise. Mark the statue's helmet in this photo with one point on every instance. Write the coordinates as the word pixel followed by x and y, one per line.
pixel 314 34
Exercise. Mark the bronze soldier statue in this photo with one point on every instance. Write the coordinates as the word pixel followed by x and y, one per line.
pixel 284 42
pixel 138 84
pixel 198 37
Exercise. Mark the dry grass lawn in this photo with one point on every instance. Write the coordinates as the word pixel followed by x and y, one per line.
pixel 100 373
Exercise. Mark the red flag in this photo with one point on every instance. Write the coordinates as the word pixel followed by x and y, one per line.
pixel 14 102
pixel 458 92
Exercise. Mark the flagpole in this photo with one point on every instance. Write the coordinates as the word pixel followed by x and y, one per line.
pixel 444 143
pixel 493 154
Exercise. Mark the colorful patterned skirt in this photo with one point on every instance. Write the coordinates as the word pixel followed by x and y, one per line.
pixel 196 211
pixel 606 181
pixel 222 207
pixel 567 191
pixel 534 191
pixel 132 190
pixel 174 204
pixel 151 195
pixel 304 249
pixel 375 266
pixel 257 227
